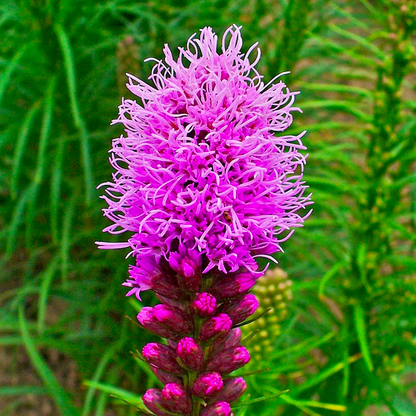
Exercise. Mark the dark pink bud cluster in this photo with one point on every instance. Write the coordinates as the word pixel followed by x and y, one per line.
pixel 203 342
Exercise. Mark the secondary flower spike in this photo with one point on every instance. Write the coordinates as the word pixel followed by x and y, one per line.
pixel 205 182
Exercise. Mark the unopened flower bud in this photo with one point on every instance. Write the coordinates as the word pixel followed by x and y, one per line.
pixel 173 318
pixel 204 304
pixel 217 409
pixel 165 321
pixel 163 376
pixel 153 400
pixel 162 357
pixel 239 310
pixel 229 360
pixel 233 286
pixel 147 319
pixel 218 325
pixel 232 339
pixel 190 353
pixel 188 267
pixel 207 384
pixel 232 390
pixel 176 399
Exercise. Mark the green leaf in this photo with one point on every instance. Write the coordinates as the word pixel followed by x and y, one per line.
pixel 323 375
pixel 260 399
pixel 360 328
pixel 337 88
pixel 299 405
pixel 359 39
pixel 338 105
pixel 121 394
pixel 22 390
pixel 57 393
pixel 328 276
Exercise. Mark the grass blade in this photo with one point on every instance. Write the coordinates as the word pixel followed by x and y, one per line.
pixel 66 239
pixel 43 294
pixel 359 322
pixel 6 75
pixel 20 146
pixel 56 188
pixel 57 393
pixel 76 113
pixel 121 394
pixel 16 221
pixel 40 169
pixel 86 410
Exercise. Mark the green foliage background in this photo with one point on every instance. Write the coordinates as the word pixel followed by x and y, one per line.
pixel 348 345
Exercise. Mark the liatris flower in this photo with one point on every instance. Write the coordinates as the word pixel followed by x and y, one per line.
pixel 204 185
pixel 273 291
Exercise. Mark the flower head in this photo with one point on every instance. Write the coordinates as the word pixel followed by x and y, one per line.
pixel 201 165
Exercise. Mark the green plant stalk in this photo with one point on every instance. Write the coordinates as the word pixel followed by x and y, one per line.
pixel 373 241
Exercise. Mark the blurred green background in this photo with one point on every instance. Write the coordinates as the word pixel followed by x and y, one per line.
pixel 341 334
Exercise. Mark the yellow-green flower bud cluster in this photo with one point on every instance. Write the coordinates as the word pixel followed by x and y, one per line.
pixel 273 290
pixel 391 328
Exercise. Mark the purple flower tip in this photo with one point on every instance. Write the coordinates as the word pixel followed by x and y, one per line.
pixel 205 304
pixel 201 161
pixel 190 353
pixel 217 409
pixel 207 384
pixel 215 326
